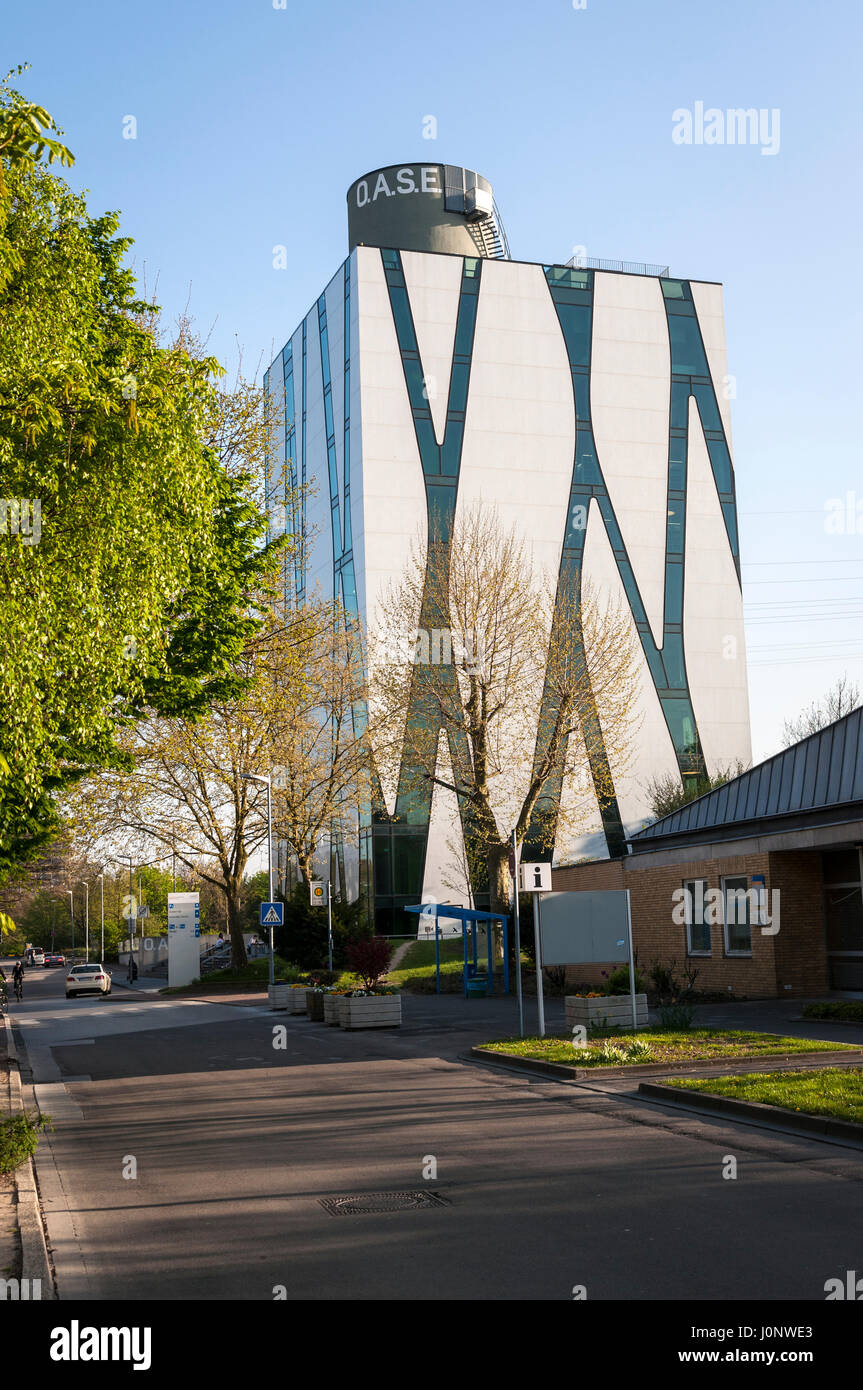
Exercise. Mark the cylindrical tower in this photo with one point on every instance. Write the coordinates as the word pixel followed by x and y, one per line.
pixel 426 207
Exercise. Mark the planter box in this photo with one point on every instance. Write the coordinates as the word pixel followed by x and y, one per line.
pixel 371 1011
pixel 278 995
pixel 296 1001
pixel 315 1005
pixel 615 1009
pixel 332 1008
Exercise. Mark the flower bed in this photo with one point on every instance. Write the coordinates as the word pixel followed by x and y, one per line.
pixel 587 1010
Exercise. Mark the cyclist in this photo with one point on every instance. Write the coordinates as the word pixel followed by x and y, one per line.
pixel 18 979
pixel 3 997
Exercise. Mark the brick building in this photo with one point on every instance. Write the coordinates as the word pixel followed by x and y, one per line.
pixel 759 884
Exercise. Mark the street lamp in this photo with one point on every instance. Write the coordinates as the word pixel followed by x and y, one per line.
pixel 86 920
pixel 72 917
pixel 267 782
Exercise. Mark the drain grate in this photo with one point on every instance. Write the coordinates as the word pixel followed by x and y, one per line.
pixel 366 1203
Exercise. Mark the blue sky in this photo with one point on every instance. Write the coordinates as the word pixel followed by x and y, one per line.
pixel 252 121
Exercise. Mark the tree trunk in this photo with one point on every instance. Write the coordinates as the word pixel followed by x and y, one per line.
pixel 235 926
pixel 498 878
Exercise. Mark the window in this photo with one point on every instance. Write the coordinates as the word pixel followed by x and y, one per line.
pixel 735 903
pixel 697 926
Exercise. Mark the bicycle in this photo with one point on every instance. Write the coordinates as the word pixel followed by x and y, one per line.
pixel 19 990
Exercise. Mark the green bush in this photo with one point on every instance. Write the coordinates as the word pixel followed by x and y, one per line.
pixel 19 1136
pixel 618 981
pixel 676 1018
pixel 850 1010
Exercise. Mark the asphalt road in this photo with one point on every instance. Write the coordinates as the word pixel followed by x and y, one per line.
pixel 191 1157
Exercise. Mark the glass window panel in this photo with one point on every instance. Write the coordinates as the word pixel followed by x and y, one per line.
pixel 843 910
pixel 408 856
pixel 458 386
pixel 383 863
pixel 451 448
pixel 687 354
pixel 676 514
pixel 720 460
pixel 738 935
pixel 575 321
pixel 586 468
pixel 581 387
pixel 673 289
pixel 841 866
pixel 672 658
pixel 679 405
pixel 464 326
pixel 697 928
pixel 707 408
pixel 674 594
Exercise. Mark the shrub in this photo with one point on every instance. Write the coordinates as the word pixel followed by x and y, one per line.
pixel 556 977
pixel 851 1010
pixel 19 1136
pixel 676 1018
pixel 639 1050
pixel 618 981
pixel 369 959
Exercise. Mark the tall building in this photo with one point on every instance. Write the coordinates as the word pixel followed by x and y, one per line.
pixel 589 404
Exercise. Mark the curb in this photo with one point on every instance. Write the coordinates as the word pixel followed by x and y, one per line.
pixel 35 1263
pixel 770 1116
pixel 561 1072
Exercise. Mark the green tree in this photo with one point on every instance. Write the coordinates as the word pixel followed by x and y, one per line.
pixel 667 794
pixel 131 551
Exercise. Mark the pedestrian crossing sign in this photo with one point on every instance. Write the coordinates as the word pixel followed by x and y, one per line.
pixel 272 914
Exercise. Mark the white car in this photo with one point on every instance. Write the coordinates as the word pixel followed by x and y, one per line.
pixel 88 979
pixel 38 956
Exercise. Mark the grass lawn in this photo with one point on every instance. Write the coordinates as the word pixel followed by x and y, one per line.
pixel 416 969
pixel 828 1091
pixel 697 1045
pixel 257 971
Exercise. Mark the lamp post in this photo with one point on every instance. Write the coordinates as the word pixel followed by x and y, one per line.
pixel 86 887
pixel 267 782
pixel 72 919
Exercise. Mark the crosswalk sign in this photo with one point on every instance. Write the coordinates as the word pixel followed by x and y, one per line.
pixel 272 914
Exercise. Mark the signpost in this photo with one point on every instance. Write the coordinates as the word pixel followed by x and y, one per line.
pixel 318 888
pixel 513 869
pixel 184 945
pixel 536 879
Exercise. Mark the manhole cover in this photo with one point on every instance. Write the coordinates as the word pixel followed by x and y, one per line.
pixel 365 1203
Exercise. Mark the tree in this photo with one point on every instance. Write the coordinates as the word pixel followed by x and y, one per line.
pixel 669 793
pixel 129 551
pixel 841 698
pixel 190 787
pixel 513 674
pixel 321 752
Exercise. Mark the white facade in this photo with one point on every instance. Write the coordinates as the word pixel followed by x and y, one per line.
pixel 518 454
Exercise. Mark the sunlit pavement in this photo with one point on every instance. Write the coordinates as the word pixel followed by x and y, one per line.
pixel 193 1152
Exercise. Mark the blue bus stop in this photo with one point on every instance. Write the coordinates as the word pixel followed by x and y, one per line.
pixel 474 981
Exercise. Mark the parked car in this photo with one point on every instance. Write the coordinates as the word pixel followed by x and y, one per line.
pixel 87 979
pixel 37 956
pixel 53 959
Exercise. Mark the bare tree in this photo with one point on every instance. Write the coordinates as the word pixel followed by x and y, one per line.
pixel 322 769
pixel 520 673
pixel 841 698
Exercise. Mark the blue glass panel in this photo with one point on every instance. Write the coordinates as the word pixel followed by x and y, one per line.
pixel 586 470
pixel 673 593
pixel 677 464
pixel 464 326
pixel 451 448
pixel 674 289
pixel 458 386
pixel 687 354
pixel 681 724
pixel 676 516
pixel 707 407
pixel 328 413
pixel 679 405
pixel 581 387
pixel 415 383
pixel 730 514
pixel 721 463
pixel 672 657
pixel 575 321
pixel 402 316
pixel 428 447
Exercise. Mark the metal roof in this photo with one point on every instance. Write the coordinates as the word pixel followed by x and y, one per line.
pixel 814 782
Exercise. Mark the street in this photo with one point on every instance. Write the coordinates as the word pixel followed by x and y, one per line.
pixel 190 1158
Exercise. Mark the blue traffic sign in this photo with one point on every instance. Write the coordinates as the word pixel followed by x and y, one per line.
pixel 272 914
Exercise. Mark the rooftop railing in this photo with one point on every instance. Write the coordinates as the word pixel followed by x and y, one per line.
pixel 622 267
